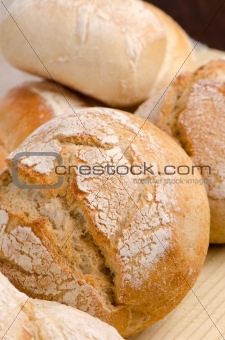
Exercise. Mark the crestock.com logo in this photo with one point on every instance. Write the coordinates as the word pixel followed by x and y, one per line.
pixel 21 155
pixel 145 171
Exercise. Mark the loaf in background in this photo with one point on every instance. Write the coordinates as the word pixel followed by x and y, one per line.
pixel 115 51
pixel 26 107
pixel 193 112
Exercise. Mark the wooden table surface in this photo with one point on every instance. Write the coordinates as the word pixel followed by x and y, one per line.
pixel 201 315
pixel 195 16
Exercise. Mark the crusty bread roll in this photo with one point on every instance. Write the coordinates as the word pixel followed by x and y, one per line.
pixel 39 319
pixel 110 50
pixel 193 112
pixel 30 105
pixel 124 248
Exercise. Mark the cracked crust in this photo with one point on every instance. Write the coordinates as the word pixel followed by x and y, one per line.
pixel 121 250
pixel 46 320
pixel 193 112
pixel 26 107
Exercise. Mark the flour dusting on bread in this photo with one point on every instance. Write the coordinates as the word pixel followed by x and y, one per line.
pixel 149 237
pixel 57 98
pixel 100 242
pixel 4 218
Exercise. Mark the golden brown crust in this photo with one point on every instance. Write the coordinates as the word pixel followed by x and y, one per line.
pixel 29 106
pixel 3 155
pixel 21 112
pixel 193 111
pixel 123 251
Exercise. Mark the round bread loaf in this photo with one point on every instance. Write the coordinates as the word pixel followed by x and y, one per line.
pixel 110 50
pixel 124 247
pixel 30 105
pixel 22 318
pixel 193 112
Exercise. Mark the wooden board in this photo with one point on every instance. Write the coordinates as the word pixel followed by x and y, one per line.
pixel 201 315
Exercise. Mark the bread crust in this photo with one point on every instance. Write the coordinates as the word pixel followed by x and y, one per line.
pixel 28 106
pixel 101 48
pixel 193 113
pixel 180 55
pixel 120 250
pixel 23 318
pixel 115 52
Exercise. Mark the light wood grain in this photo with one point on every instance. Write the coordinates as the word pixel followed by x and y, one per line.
pixel 201 315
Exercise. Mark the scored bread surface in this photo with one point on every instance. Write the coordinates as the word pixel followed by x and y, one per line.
pixel 193 112
pixel 121 249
